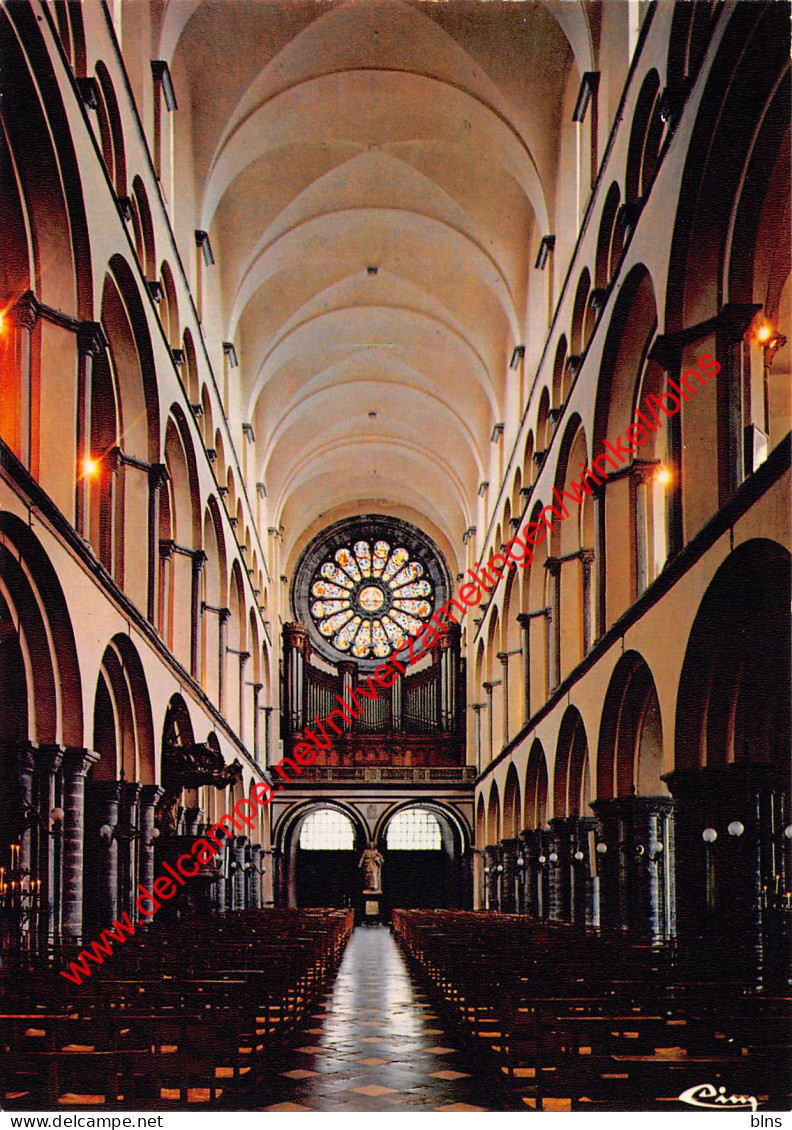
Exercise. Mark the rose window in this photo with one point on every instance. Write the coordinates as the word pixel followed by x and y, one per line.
pixel 368 599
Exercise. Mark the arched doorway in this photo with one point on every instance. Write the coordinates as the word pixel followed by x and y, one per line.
pixel 327 846
pixel 423 846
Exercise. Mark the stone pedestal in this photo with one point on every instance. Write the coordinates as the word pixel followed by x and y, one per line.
pixel 370 907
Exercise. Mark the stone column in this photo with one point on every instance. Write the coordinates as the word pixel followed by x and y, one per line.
pixel 553 566
pixel 256 688
pixel 238 880
pixel 103 807
pixel 223 616
pixel 558 861
pixel 524 620
pixel 488 689
pixel 267 711
pixel 149 795
pixel 255 876
pixel 128 846
pixel 157 478
pixel 166 589
pixel 199 559
pixel 509 876
pixel 76 763
pixel 477 708
pixel 587 565
pixel 493 869
pixel 25 314
pixel 47 762
pixel 503 658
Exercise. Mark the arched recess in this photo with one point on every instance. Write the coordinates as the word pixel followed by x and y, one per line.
pixel 121 486
pixel 577 340
pixel 630 748
pixel 573 544
pixel 536 788
pixel 169 306
pixel 180 539
pixel 691 31
pixel 737 656
pixel 571 779
pixel 424 845
pixel 237 651
pixel 41 674
pixel 630 510
pixel 323 872
pixel 144 231
pixel 116 840
pixel 123 731
pixel 493 815
pixel 645 137
pixel 732 741
pixel 512 805
pixel 191 371
pixel 607 255
pixel 111 131
pixel 559 370
pixel 730 247
pixel 213 604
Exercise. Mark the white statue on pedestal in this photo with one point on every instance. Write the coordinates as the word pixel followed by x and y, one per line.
pixel 371 861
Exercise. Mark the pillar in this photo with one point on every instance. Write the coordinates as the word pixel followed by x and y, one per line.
pixel 492 874
pixel 553 566
pixel 149 795
pixel 157 478
pixel 587 565
pixel 48 760
pixel 509 851
pixel 238 880
pixel 25 314
pixel 558 863
pixel 76 763
pixel 503 658
pixel 91 343
pixel 199 559
pixel 255 876
pixel 104 798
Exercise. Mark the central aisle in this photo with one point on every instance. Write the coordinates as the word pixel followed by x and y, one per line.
pixel 377 1045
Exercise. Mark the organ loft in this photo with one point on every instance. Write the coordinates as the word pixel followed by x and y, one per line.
pixel 308 312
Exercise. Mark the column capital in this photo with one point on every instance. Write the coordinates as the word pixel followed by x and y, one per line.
pixel 77 760
pixel 643 470
pixel 490 686
pixel 91 339
pixel 503 657
pixel 158 475
pixel 587 557
pixel 150 794
pixel 199 559
pixel 553 565
pixel 167 548
pixel 26 310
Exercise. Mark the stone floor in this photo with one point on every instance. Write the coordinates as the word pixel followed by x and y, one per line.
pixel 376 1044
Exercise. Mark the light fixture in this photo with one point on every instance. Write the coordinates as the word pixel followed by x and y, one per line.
pixel 57 815
pixel 589 85
pixel 543 859
pixel 2 320
pixel 655 848
pixel 553 857
pixel 662 475
pixel 579 856
pixel 230 351
pixel 517 355
pixel 763 333
pixel 788 831
pixel 735 828
pixel 709 835
pixel 106 832
pixel 601 848
pixel 90 466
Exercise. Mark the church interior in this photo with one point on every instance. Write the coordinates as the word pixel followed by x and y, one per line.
pixel 309 311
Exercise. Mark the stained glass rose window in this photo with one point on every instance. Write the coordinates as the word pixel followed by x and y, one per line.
pixel 367 597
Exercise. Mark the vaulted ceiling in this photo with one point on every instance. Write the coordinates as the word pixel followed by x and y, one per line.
pixel 373 175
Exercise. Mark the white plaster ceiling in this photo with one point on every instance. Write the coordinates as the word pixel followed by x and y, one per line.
pixel 417 138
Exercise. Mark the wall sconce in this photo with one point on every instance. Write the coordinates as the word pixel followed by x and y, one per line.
pixel 542 860
pixel 499 867
pixel 788 831
pixel 735 828
pixel 57 816
pixel 521 860
pixel 655 849
pixel 709 835
pixel 517 355
pixel 579 856
pixel 601 848
pixel 553 857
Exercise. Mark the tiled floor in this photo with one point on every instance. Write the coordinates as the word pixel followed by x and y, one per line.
pixel 375 1044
